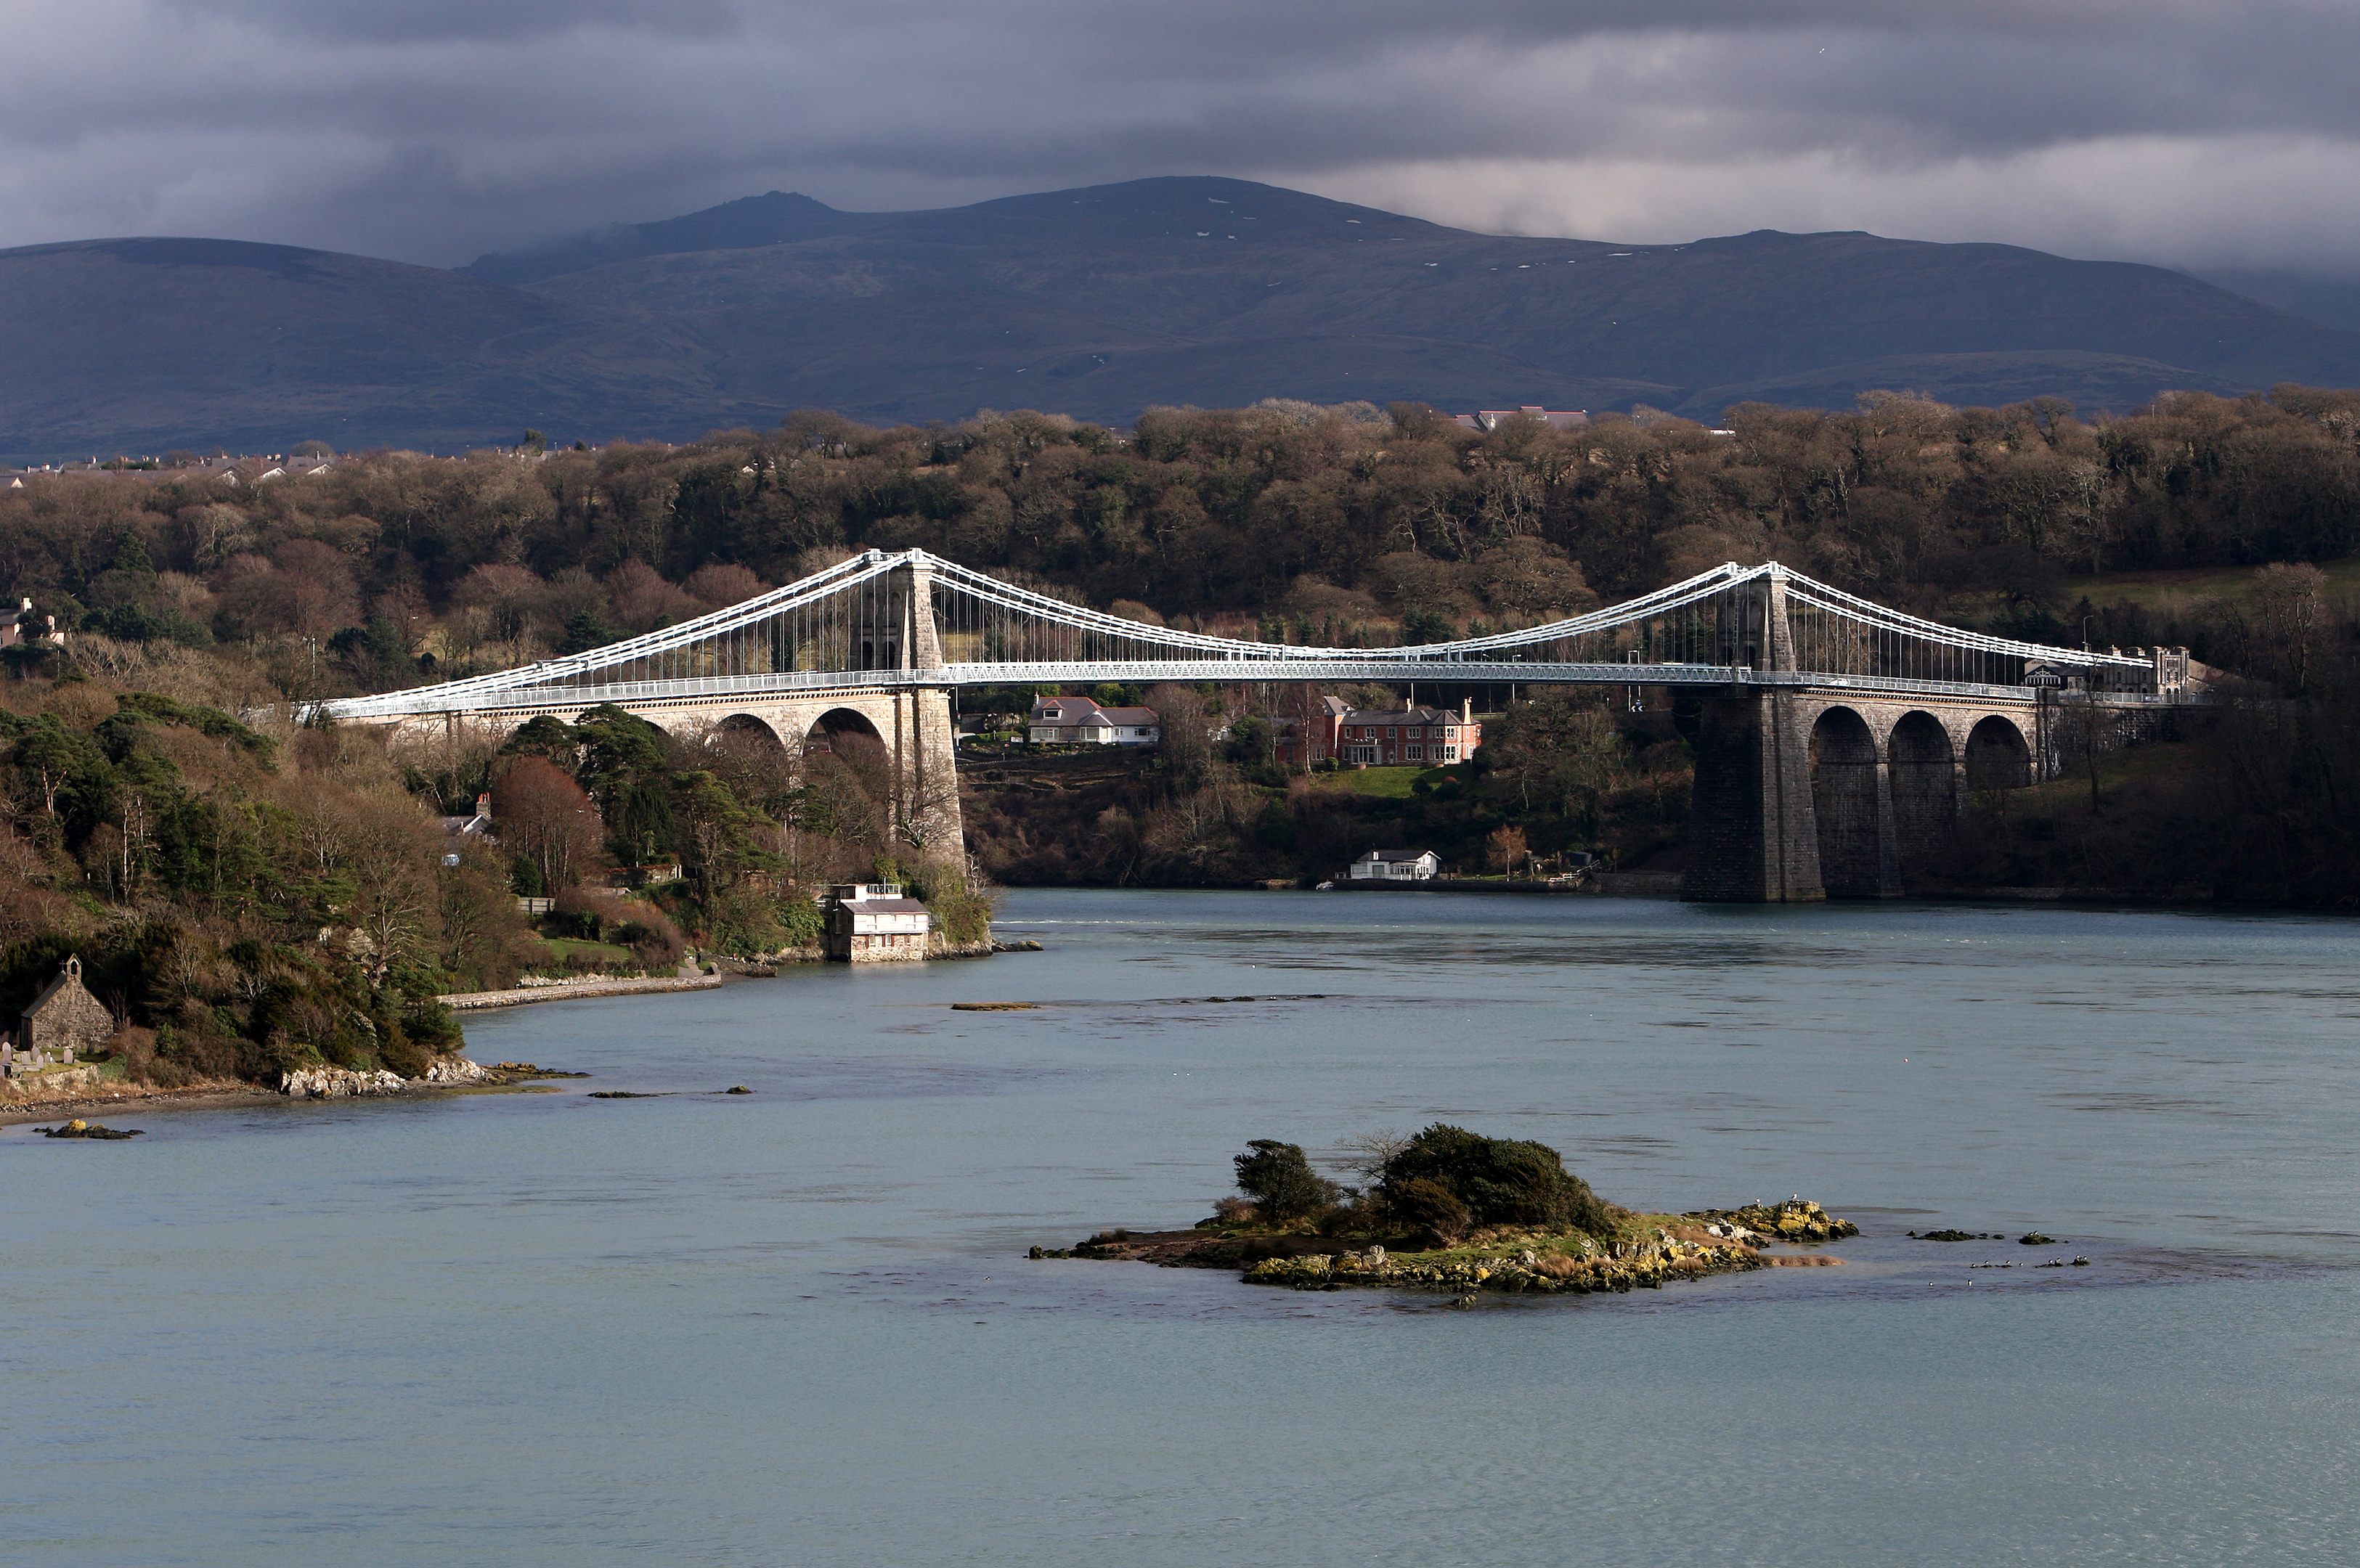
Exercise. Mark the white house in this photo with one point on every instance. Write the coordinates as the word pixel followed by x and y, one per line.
pixel 1396 865
pixel 1077 720
pixel 871 922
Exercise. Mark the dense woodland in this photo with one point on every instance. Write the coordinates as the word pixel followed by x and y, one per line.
pixel 248 894
pixel 246 903
pixel 1563 770
pixel 1336 526
pixel 251 901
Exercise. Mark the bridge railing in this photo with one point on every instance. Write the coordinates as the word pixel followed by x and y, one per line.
pixel 722 691
pixel 910 620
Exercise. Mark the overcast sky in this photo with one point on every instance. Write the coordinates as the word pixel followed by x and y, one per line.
pixel 2194 133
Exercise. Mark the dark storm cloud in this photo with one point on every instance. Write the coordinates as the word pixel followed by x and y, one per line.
pixel 413 21
pixel 429 130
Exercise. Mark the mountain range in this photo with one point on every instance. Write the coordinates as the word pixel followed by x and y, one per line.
pixel 1097 302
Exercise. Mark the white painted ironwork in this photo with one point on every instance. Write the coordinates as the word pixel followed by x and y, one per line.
pixel 866 624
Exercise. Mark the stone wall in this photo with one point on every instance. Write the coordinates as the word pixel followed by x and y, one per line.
pixel 66 1019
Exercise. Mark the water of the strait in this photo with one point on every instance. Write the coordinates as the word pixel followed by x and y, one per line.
pixel 797 1328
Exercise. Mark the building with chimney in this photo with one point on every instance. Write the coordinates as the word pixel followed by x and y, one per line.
pixel 1305 739
pixel 1395 865
pixel 1410 736
pixel 1078 721
pixel 873 922
pixel 22 626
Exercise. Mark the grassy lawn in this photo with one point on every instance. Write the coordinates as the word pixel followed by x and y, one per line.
pixel 2115 769
pixel 1387 783
pixel 2155 590
pixel 566 947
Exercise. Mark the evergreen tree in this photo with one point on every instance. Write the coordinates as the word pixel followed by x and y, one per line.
pixel 1278 1179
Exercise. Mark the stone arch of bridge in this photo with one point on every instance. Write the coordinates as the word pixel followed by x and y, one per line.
pixel 912 732
pixel 1825 793
pixel 1851 805
pixel 835 724
pixel 1997 756
pixel 1922 775
pixel 913 728
pixel 747 729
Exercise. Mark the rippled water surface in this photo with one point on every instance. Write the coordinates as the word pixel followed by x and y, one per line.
pixel 796 1327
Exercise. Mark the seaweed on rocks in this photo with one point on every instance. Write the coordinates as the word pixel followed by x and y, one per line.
pixel 1643 1265
pixel 1797 1219
pixel 81 1128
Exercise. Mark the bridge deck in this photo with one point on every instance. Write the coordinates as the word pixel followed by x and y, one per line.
pixel 753 687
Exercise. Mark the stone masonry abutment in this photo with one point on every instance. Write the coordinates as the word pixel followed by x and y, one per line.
pixel 913 726
pixel 1803 795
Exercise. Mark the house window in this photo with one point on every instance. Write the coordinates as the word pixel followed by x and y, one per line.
pixel 1394 734
pixel 1450 734
pixel 1447 753
pixel 1416 733
pixel 1417 754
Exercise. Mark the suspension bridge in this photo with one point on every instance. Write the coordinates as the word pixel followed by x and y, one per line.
pixel 1838 740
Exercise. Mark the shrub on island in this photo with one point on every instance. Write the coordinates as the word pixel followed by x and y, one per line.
pixel 1447 1181
pixel 1443 1185
pixel 1469 1212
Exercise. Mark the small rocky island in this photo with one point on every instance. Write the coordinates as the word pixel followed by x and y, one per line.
pixel 1449 1210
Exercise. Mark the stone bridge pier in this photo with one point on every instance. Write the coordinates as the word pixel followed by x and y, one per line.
pixel 913 727
pixel 1804 794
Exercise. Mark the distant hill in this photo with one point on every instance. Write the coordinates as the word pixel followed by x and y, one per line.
pixel 1095 302
pixel 144 344
pixel 2332 303
pixel 777 218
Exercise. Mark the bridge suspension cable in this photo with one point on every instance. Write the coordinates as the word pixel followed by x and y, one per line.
pixel 912 619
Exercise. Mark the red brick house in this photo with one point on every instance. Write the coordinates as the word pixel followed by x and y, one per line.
pixel 1398 737
pixel 1428 737
pixel 1301 741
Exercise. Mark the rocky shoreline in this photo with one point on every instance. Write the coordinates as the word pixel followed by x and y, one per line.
pixel 1645 1252
pixel 86 1096
pixel 570 990
pixel 444 1076
pixel 445 1072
